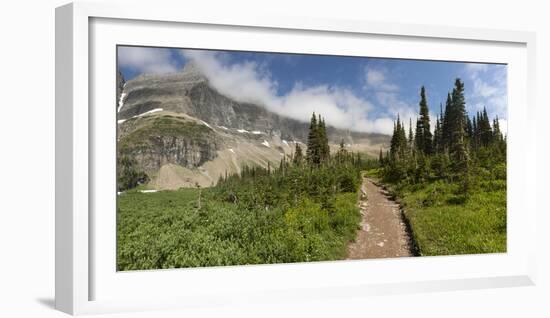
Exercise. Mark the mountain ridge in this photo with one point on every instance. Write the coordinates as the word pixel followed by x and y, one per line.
pixel 178 122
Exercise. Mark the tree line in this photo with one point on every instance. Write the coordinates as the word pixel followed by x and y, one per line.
pixel 315 174
pixel 458 146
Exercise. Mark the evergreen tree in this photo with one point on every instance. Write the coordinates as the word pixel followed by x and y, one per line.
pixel 313 155
pixel 456 139
pixel 459 153
pixel 474 138
pixel 398 143
pixel 403 141
pixel 469 127
pixel 393 142
pixel 399 150
pixel 341 155
pixel 418 136
pixel 324 149
pixel 497 134
pixel 437 136
pixel 424 124
pixel 446 123
pixel 298 155
pixel 486 132
pixel 411 137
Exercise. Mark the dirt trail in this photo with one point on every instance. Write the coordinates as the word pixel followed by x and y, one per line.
pixel 383 232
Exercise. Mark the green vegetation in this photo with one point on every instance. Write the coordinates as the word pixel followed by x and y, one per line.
pixel 147 131
pixel 129 175
pixel 452 184
pixel 148 128
pixel 303 210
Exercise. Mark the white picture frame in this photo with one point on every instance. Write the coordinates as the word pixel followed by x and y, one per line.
pixel 85 281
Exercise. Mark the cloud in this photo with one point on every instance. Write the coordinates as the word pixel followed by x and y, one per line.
pixel 476 67
pixel 146 60
pixel 388 97
pixel 244 82
pixel 489 88
pixel 376 80
pixel 393 105
pixel 251 82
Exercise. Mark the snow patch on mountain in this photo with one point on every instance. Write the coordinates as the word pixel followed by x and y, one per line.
pixel 206 124
pixel 121 101
pixel 156 110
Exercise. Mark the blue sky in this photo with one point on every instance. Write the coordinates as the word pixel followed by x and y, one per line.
pixel 359 93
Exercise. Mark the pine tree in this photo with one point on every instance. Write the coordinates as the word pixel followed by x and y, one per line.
pixel 424 120
pixel 446 123
pixel 393 141
pixel 497 134
pixel 419 137
pixel 298 155
pixel 437 136
pixel 474 141
pixel 342 153
pixel 396 160
pixel 313 143
pixel 459 153
pixel 399 144
pixel 486 132
pixel 469 127
pixel 456 138
pixel 403 141
pixel 411 137
pixel 324 149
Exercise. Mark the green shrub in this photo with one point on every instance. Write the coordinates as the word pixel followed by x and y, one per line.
pixel 257 217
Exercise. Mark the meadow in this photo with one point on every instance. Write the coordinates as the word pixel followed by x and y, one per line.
pixel 295 213
pixel 444 221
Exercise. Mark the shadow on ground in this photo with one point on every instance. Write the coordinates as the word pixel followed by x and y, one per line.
pixel 46 302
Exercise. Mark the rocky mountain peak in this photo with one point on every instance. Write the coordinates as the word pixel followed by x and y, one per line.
pixel 191 67
pixel 191 70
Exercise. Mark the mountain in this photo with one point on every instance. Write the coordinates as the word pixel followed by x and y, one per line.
pixel 183 132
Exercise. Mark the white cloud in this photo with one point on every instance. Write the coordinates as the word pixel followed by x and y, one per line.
pixel 251 82
pixel 484 89
pixel 146 60
pixel 375 77
pixel 245 82
pixel 476 67
pixel 393 105
pixel 376 80
pixel 388 98
pixel 489 88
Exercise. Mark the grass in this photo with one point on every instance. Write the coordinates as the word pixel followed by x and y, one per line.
pixel 167 229
pixel 444 222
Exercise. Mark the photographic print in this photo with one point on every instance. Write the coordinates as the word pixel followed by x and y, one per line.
pixel 238 158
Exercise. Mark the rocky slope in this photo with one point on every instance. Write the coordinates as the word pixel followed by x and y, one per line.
pixel 182 131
